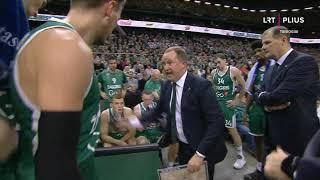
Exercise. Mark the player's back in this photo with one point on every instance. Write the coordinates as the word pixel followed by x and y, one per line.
pixel 24 96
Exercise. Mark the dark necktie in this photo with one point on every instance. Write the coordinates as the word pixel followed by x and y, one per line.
pixel 276 68
pixel 173 114
pixel 274 72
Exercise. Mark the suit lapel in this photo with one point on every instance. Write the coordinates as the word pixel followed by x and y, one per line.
pixel 277 78
pixel 288 61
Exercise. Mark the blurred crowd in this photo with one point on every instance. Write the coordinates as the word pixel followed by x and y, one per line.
pixel 148 45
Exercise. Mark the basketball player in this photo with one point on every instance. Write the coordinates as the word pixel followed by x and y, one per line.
pixel 111 81
pixel 255 112
pixel 13 26
pixel 225 78
pixel 151 129
pixel 116 129
pixel 56 93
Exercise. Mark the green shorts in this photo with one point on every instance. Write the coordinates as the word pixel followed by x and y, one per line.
pixel 257 122
pixel 87 169
pixel 152 134
pixel 229 115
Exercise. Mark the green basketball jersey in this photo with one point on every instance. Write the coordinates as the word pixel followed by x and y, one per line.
pixel 28 114
pixel 112 82
pixel 152 85
pixel 223 86
pixel 259 79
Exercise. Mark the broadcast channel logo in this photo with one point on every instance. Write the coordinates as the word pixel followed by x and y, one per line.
pixel 284 20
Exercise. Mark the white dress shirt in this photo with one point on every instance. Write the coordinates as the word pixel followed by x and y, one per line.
pixel 179 126
pixel 284 57
pixel 179 90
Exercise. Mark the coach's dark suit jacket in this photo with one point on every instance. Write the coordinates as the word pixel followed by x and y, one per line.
pixel 297 82
pixel 202 119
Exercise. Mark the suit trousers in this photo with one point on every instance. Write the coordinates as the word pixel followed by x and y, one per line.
pixel 185 154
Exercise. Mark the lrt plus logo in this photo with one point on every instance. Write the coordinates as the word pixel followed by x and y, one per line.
pixel 284 20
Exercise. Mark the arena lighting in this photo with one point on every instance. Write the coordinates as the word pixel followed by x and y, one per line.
pixel 207 3
pixel 187 0
pixel 252 10
pixel 284 10
pixel 262 10
pixel 217 4
pixel 273 10
pixel 226 6
pixel 235 8
pixel 294 10
pixel 196 1
pixel 244 9
pixel 308 8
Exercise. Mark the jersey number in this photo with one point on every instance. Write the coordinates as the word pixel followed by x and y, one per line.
pixel 114 80
pixel 94 121
pixel 220 81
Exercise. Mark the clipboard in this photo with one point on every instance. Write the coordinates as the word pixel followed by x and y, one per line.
pixel 181 173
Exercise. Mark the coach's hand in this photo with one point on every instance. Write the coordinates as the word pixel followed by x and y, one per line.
pixel 195 163
pixel 272 168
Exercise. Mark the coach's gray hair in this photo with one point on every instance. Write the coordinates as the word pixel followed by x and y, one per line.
pixel 181 53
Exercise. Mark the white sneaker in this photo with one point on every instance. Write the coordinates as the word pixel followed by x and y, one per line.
pixel 240 162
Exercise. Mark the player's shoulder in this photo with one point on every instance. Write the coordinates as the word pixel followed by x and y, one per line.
pixel 64 40
pixel 105 112
pixel 234 70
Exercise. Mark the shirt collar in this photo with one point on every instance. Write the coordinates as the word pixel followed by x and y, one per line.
pixel 181 81
pixel 283 57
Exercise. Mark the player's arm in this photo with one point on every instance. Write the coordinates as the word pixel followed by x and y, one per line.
pixel 125 84
pixel 64 72
pixel 104 129
pixel 238 77
pixel 8 139
pixel 249 100
pixel 131 130
pixel 124 81
pixel 102 93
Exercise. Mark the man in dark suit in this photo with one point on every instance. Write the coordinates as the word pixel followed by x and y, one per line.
pixel 293 82
pixel 195 119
